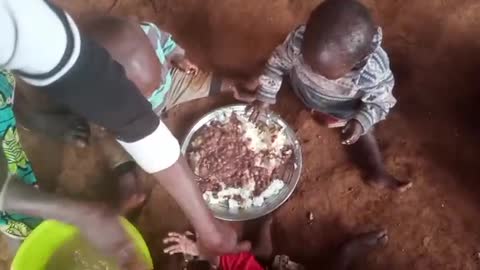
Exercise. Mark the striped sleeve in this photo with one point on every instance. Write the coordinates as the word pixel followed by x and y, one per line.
pixel 279 64
pixel 376 86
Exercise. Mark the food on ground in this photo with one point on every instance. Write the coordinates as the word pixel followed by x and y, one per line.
pixel 239 163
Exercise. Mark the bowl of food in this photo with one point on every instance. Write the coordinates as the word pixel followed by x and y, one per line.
pixel 245 170
pixel 55 245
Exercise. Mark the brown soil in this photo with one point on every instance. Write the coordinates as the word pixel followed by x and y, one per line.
pixel 430 137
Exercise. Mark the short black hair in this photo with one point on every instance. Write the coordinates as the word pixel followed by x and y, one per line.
pixel 343 26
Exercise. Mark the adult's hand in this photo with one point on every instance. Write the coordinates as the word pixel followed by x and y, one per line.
pixel 215 236
pixel 103 229
pixel 99 225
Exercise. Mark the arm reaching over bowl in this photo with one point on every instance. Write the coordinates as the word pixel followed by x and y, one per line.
pixel 78 73
pixel 97 223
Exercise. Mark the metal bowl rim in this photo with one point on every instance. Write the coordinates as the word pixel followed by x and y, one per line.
pixel 292 183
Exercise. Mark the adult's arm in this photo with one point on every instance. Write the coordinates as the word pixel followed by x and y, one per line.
pixel 43 45
pixel 99 225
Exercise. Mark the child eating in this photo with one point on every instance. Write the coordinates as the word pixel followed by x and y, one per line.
pixel 339 70
pixel 159 68
pixel 261 257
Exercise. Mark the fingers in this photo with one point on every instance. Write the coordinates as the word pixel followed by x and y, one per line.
pixel 170 240
pixel 350 134
pixel 351 139
pixel 244 96
pixel 175 249
pixel 192 70
pixel 254 115
pixel 80 134
pixel 176 235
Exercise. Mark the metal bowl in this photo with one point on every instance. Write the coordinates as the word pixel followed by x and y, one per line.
pixel 222 211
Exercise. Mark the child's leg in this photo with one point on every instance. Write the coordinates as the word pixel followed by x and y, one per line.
pixel 359 247
pixel 188 87
pixel 367 154
pixel 263 249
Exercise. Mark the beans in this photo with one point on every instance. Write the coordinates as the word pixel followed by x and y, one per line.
pixel 220 155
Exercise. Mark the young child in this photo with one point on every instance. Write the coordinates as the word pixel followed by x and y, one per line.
pixel 261 257
pixel 158 67
pixel 339 70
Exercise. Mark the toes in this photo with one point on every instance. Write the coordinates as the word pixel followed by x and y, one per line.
pixel 404 186
pixel 386 181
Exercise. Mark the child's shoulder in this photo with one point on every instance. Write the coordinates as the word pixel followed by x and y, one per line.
pixel 294 40
pixel 377 67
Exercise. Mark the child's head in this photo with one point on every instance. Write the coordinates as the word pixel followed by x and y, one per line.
pixel 338 35
pixel 128 45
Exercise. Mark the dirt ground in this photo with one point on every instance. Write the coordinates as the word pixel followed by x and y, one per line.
pixel 429 138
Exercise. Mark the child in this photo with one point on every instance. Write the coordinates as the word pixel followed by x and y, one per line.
pixel 339 70
pixel 158 67
pixel 261 255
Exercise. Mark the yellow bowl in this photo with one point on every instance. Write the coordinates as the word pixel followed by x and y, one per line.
pixel 50 235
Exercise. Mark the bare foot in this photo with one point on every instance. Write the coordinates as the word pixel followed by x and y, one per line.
pixel 359 247
pixel 386 180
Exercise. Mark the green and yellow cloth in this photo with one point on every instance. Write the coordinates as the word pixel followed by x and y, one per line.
pixel 14 225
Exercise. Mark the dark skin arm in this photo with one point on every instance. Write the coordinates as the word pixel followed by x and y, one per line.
pixel 216 237
pixel 100 226
pixel 179 60
pixel 351 132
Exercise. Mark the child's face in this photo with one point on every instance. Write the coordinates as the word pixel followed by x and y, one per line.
pixel 328 63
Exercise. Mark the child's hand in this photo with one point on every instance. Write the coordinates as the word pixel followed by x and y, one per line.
pixel 352 132
pixel 185 65
pixel 238 90
pixel 257 109
pixel 181 243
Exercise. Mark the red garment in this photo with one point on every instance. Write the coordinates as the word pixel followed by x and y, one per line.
pixel 240 261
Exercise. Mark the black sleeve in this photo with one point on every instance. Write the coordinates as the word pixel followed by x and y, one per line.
pixel 97 88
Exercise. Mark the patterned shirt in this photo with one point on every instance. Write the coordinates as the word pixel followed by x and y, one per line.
pixel 164 46
pixel 364 94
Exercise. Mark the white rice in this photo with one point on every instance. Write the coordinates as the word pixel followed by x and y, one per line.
pixel 259 141
pixel 226 195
